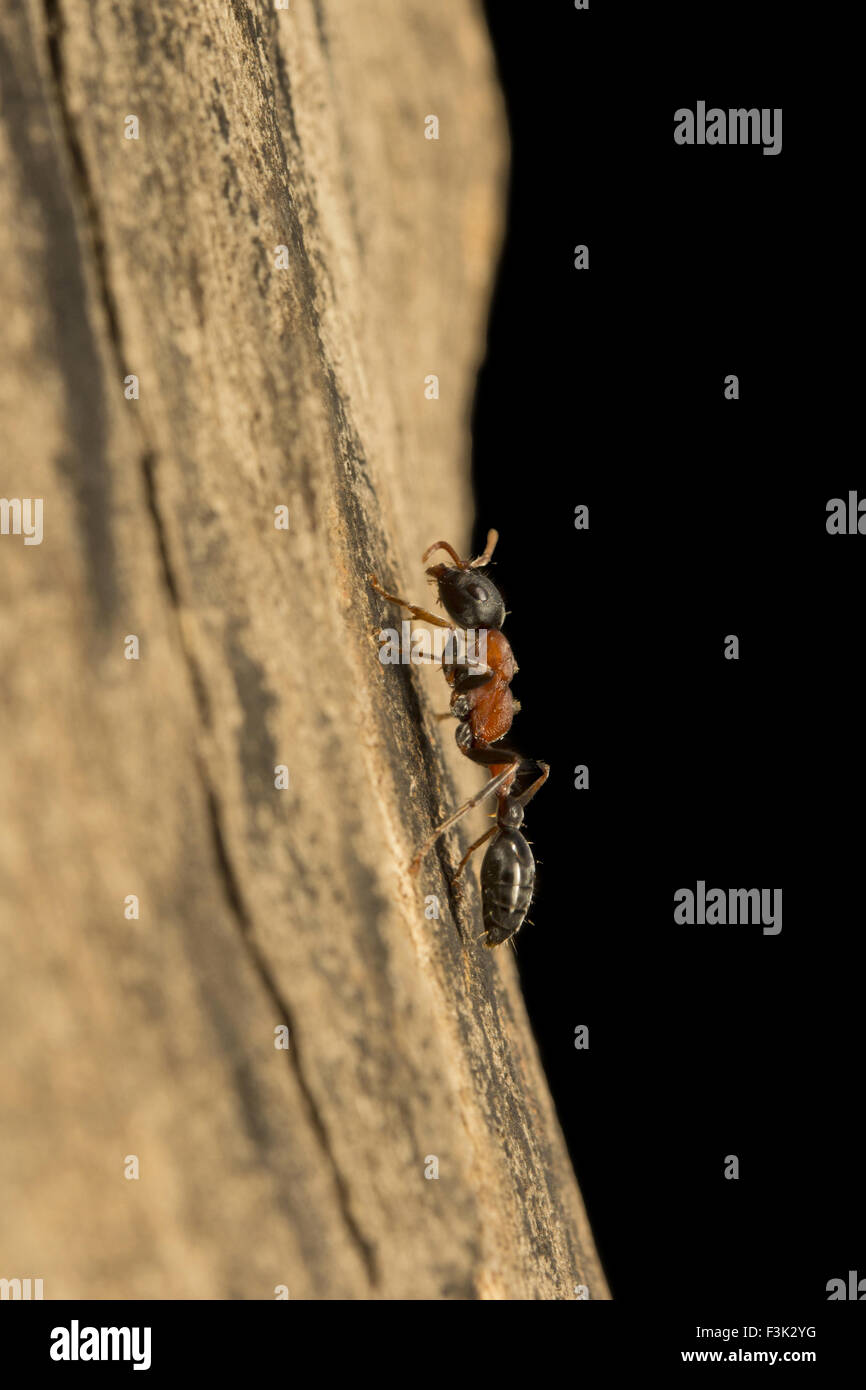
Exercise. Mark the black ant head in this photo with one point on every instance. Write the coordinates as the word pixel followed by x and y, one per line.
pixel 469 597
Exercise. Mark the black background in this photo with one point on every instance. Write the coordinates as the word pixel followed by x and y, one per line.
pixel 707 517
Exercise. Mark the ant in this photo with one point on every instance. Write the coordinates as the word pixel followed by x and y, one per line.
pixel 483 703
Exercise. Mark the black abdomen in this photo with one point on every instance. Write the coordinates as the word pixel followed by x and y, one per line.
pixel 507 881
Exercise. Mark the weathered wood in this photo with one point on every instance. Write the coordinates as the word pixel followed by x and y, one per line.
pixel 259 386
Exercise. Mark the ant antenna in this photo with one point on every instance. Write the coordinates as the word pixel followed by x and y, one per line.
pixel 443 545
pixel 492 538
pixel 484 559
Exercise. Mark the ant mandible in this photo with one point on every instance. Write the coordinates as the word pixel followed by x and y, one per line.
pixel 483 703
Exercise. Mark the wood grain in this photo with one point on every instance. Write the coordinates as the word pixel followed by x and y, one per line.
pixel 259 387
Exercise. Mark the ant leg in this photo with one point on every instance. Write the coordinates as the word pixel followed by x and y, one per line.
pixel 530 791
pixel 441 664
pixel 489 754
pixel 471 850
pixel 420 613
pixel 488 790
pixel 467 681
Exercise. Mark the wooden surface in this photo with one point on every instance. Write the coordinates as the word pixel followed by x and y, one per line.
pixel 259 387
